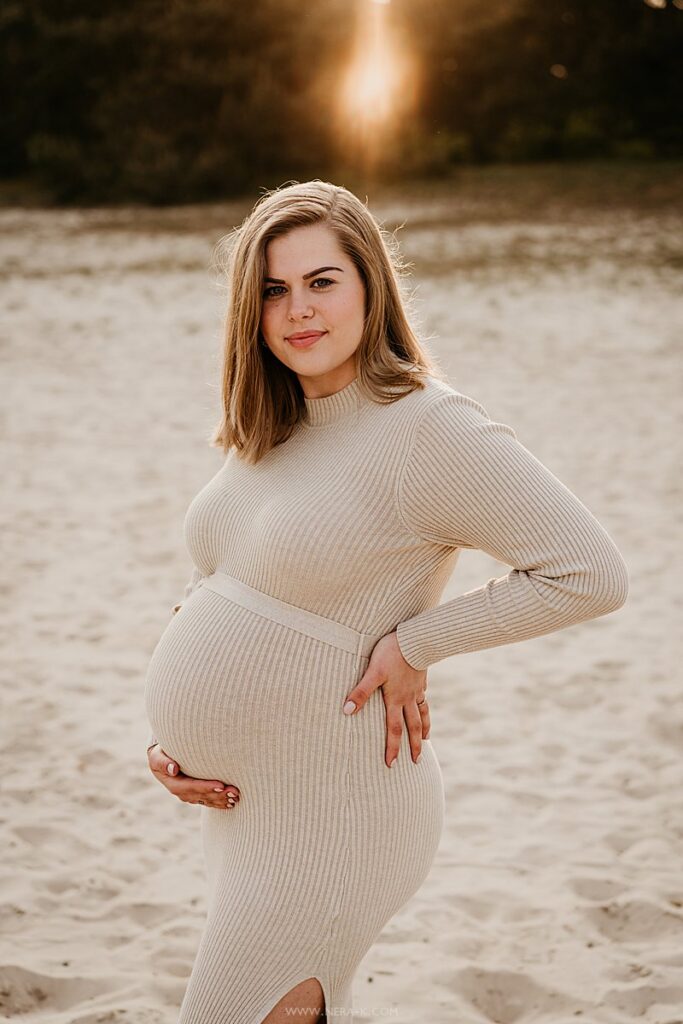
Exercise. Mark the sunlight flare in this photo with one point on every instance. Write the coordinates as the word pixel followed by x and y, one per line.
pixel 379 84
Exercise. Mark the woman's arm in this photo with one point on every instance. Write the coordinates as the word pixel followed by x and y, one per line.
pixel 468 482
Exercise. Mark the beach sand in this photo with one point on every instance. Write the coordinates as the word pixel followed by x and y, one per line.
pixel 557 893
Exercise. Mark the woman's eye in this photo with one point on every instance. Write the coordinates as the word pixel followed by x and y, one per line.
pixel 268 293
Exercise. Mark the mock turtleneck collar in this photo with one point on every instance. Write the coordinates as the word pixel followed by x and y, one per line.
pixel 331 408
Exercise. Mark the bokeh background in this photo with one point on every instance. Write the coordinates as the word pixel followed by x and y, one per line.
pixel 527 157
pixel 184 100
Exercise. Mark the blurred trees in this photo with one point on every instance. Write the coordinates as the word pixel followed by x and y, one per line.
pixel 561 78
pixel 178 100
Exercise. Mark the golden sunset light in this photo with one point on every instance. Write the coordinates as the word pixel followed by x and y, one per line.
pixel 379 85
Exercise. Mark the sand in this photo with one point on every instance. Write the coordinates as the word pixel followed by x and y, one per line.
pixel 557 893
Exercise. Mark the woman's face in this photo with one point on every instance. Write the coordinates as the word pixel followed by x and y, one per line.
pixel 312 286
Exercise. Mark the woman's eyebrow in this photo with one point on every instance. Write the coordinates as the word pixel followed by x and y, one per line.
pixel 312 273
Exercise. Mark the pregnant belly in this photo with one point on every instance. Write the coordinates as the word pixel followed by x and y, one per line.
pixel 232 695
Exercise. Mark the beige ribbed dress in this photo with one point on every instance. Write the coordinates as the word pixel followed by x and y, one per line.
pixel 347 531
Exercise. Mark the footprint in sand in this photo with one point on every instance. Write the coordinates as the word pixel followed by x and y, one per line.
pixel 23 991
pixel 596 889
pixel 62 844
pixel 505 997
pixel 635 921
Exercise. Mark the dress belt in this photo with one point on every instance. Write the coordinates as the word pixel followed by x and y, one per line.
pixel 318 626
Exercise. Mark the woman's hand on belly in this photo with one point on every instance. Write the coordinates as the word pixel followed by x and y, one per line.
pixel 210 793
pixel 403 690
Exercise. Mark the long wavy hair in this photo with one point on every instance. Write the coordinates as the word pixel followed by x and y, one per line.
pixel 262 399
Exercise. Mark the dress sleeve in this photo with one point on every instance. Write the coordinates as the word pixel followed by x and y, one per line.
pixel 194 581
pixel 468 482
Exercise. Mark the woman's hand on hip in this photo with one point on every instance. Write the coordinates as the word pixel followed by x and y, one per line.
pixel 403 690
pixel 191 791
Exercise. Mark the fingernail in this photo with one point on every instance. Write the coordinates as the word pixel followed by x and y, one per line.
pixel 349 707
pixel 417 759
pixel 218 789
pixel 170 768
pixel 392 763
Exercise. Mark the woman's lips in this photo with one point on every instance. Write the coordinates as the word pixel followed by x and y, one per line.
pixel 307 340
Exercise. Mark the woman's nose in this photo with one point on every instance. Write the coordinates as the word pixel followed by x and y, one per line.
pixel 299 307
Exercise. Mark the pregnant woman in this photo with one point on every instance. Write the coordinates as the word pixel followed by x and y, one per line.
pixel 287 695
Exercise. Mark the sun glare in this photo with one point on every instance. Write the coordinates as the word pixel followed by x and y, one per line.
pixel 378 85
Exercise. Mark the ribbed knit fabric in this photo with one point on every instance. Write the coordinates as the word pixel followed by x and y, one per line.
pixel 358 519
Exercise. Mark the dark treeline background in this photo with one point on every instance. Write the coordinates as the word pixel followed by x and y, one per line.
pixel 184 100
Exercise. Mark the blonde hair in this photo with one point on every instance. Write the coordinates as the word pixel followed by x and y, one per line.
pixel 262 399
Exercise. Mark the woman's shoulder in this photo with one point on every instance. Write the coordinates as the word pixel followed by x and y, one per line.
pixel 438 395
pixel 443 425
